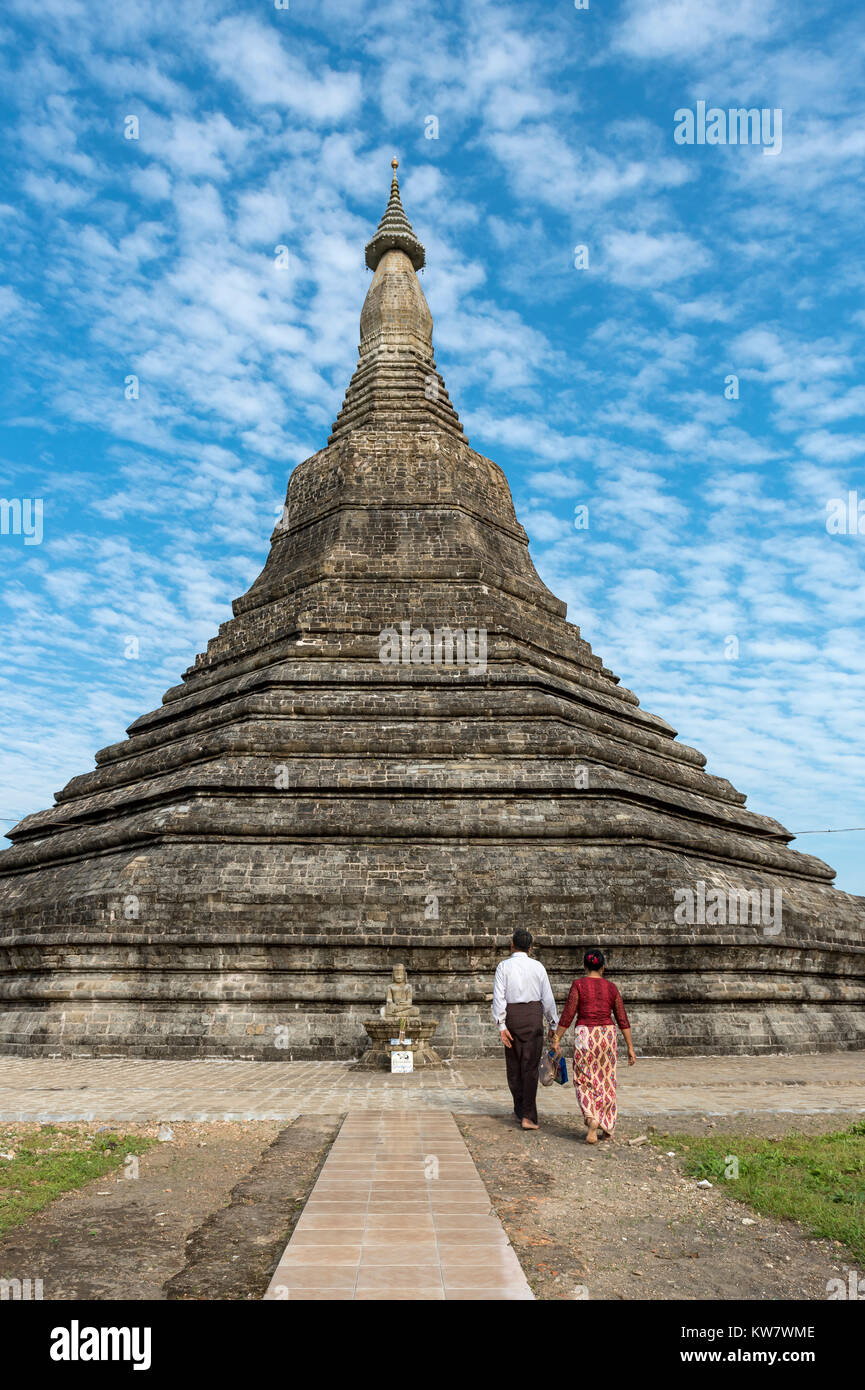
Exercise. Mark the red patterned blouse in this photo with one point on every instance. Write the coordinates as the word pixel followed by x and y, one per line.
pixel 593 999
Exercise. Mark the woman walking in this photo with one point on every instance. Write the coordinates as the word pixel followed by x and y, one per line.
pixel 591 1000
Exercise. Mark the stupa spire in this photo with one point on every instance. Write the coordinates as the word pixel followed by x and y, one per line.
pixel 395 232
pixel 396 384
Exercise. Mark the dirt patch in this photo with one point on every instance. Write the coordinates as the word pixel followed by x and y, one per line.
pixel 123 1238
pixel 624 1222
pixel 234 1253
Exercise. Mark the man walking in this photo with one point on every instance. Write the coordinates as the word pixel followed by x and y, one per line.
pixel 521 999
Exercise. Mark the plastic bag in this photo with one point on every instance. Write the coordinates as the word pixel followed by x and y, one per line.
pixel 561 1071
pixel 547 1068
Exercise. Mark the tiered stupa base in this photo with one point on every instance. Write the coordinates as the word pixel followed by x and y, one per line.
pixel 237 877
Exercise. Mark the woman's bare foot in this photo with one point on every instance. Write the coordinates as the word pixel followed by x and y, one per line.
pixel 529 1124
pixel 592 1136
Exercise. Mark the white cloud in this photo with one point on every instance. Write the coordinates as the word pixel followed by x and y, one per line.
pixel 678 29
pixel 644 261
pixel 253 56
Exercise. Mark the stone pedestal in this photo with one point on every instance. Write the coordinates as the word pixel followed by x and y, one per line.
pixel 381 1030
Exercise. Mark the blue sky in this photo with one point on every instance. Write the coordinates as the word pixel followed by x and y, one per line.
pixel 601 386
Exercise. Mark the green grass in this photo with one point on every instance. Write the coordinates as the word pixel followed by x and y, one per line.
pixel 815 1179
pixel 53 1160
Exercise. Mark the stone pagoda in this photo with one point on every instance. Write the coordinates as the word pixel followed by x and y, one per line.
pixel 396 751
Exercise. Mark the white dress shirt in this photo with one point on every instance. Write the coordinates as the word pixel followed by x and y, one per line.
pixel 521 980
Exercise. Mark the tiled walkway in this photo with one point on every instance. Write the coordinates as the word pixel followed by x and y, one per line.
pixel 128 1089
pixel 399 1212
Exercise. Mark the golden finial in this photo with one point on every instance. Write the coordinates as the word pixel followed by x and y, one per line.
pixel 394 164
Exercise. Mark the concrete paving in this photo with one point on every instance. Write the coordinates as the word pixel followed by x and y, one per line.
pixel 108 1089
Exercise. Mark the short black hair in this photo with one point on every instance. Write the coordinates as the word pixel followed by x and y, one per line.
pixel 594 959
pixel 522 939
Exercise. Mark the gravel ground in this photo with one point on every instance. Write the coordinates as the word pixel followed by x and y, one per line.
pixel 618 1221
pixel 118 1238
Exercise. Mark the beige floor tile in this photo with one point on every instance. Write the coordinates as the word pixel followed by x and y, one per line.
pixel 413 1266
pixel 481 1276
pixel 321 1296
pixel 389 1216
pixel 399 1278
pixel 316 1221
pixel 374 1239
pixel 344 1211
pixel 389 1296
pixel 455 1207
pixel 305 1255
pixel 351 1186
pixel 315 1277
pixel 457 1188
pixel 464 1220
pixel 498 1258
pixel 489 1295
pixel 472 1240
pixel 397 1203
pixel 305 1237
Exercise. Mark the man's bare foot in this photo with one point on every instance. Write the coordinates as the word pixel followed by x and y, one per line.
pixel 529 1124
pixel 592 1136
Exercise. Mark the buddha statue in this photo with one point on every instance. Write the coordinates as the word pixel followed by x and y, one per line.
pixel 398 1004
